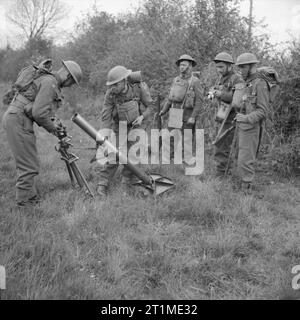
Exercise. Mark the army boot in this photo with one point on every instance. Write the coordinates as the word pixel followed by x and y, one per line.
pixel 33 201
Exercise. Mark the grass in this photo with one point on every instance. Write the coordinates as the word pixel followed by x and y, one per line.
pixel 203 240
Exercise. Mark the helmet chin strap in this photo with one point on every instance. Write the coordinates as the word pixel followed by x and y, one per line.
pixel 187 71
pixel 125 87
pixel 252 69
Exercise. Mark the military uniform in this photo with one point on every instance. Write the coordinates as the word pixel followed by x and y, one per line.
pixel 38 104
pixel 122 107
pixel 226 85
pixel 255 105
pixel 191 108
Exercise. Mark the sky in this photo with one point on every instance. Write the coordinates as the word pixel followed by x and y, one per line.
pixel 282 16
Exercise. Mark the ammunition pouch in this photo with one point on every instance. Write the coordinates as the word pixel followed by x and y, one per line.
pixel 128 111
pixel 178 90
pixel 22 103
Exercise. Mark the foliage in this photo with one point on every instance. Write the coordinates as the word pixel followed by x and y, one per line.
pixel 286 157
pixel 201 241
pixel 286 112
pixel 151 39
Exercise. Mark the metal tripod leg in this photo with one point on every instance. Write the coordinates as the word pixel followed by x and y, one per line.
pixel 70 174
pixel 74 171
pixel 80 178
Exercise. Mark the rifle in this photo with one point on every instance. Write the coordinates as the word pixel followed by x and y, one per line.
pixel 234 140
pixel 221 135
pixel 70 161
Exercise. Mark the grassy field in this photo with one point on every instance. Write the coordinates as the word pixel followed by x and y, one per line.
pixel 203 240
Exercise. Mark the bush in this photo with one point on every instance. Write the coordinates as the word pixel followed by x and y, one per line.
pixel 286 158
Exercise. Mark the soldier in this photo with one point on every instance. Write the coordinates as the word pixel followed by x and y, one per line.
pixel 223 93
pixel 252 112
pixel 122 103
pixel 37 104
pixel 186 93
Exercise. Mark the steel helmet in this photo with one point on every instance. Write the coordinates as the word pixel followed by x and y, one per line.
pixel 246 58
pixel 74 70
pixel 117 74
pixel 223 57
pixel 186 57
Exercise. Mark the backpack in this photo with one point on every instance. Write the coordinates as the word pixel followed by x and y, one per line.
pixel 271 77
pixel 25 78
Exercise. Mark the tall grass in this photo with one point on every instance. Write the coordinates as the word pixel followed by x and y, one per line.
pixel 203 240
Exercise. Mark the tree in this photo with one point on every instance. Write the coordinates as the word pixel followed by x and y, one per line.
pixel 35 17
pixel 215 26
pixel 250 23
pixel 96 38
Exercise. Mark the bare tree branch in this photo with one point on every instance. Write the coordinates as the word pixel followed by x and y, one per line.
pixel 35 17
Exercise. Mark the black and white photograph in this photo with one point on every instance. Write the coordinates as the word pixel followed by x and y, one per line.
pixel 149 151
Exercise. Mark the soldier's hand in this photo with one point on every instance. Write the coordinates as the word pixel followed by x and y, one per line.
pixel 191 120
pixel 138 121
pixel 211 94
pixel 218 93
pixel 241 118
pixel 59 129
pixel 57 124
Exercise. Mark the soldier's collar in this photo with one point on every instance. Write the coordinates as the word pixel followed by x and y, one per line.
pixel 227 75
pixel 251 77
pixel 58 79
pixel 185 76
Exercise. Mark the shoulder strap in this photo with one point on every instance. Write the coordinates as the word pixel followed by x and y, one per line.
pixel 218 80
pixel 187 89
pixel 136 87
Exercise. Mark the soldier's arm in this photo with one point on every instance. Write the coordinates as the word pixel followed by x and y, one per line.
pixel 262 102
pixel 147 100
pixel 168 103
pixel 166 107
pixel 107 111
pixel 199 94
pixel 44 105
pixel 226 95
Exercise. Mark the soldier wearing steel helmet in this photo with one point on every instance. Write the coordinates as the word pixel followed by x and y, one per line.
pixel 223 93
pixel 186 92
pixel 251 112
pixel 127 99
pixel 37 104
